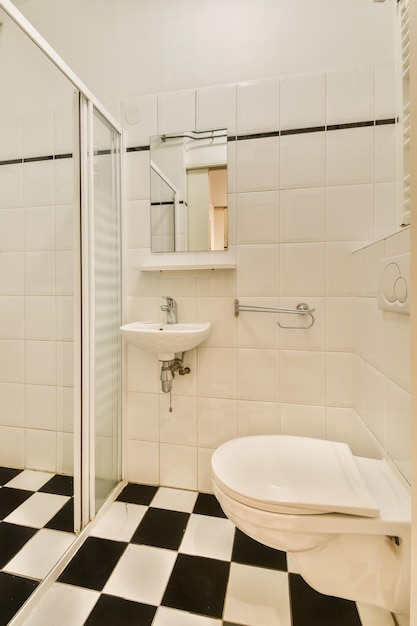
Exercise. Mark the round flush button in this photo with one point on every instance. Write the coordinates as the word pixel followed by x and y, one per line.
pixel 400 289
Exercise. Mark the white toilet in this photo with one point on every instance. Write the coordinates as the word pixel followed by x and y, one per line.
pixel 345 520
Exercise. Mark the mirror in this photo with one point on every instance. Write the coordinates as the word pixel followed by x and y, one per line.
pixel 189 191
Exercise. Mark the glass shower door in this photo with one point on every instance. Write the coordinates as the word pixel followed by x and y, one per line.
pixel 107 308
pixel 102 348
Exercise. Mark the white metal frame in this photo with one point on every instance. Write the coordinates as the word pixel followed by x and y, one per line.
pixel 84 107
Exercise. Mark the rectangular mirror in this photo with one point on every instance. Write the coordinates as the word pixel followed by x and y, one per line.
pixel 189 191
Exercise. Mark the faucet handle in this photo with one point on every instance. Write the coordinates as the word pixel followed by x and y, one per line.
pixel 170 301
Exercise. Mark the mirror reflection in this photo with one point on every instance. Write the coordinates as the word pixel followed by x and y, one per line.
pixel 189 191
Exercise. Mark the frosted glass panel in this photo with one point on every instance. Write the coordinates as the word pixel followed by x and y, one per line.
pixel 107 305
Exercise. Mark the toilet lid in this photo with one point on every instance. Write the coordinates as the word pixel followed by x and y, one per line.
pixel 290 474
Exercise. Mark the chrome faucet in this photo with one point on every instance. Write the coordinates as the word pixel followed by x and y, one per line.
pixel 170 309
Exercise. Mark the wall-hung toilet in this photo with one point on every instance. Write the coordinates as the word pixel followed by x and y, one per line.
pixel 345 520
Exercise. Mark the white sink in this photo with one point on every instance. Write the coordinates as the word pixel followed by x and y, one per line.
pixel 166 340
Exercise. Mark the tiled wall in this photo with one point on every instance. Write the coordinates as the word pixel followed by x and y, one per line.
pixel 36 292
pixel 381 362
pixel 300 203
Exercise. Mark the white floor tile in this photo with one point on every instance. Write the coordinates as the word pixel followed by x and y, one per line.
pixel 142 574
pixel 37 510
pixel 208 536
pixel 30 479
pixel 64 605
pixel 175 499
pixel 172 617
pixel 40 553
pixel 120 521
pixel 257 596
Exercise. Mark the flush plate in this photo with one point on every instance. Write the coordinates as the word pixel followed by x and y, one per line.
pixel 394 284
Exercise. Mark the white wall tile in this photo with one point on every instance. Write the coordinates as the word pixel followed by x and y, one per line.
pixel 137 175
pixel 64 312
pixel 386 158
pixel 64 224
pixel 350 213
pixel 12 401
pixel 216 372
pixel 65 409
pixel 38 183
pixel 302 160
pixel 302 214
pixel 258 375
pixel 339 379
pixel 65 363
pixel 39 228
pixel 12 317
pixel 219 311
pixel 11 184
pixel 350 156
pixel 258 418
pixel 216 108
pixel 217 421
pixel 372 319
pixel 12 273
pixel 204 470
pixel 302 269
pixel 385 92
pixel 143 462
pixel 65 453
pixel 180 425
pixel 142 411
pixel 176 111
pixel 178 466
pixel 258 106
pixel 296 91
pixel 40 362
pixel 139 220
pixel 302 379
pixel 64 272
pixel 338 324
pixel 40 317
pixel 11 360
pixel 398 416
pixel 11 229
pixel 338 269
pixel 386 209
pixel 39 273
pixel 40 407
pixel 63 181
pixel 40 450
pixel 257 163
pixel 258 270
pixel 258 217
pixel 12 446
pixel 350 95
pixel 306 421
pixel 397 349
pixel 375 403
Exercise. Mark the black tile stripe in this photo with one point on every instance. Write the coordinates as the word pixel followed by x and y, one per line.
pixel 244 137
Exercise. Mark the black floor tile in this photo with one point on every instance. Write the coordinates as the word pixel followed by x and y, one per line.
pixel 93 563
pixel 64 519
pixel 111 610
pixel 10 499
pixel 137 494
pixel 198 585
pixel 60 485
pixel 7 473
pixel 14 591
pixel 207 504
pixel 250 552
pixel 12 538
pixel 312 608
pixel 161 528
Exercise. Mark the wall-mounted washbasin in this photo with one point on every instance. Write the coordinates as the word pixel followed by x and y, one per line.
pixel 166 340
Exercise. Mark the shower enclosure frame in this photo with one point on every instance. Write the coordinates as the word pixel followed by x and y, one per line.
pixel 84 106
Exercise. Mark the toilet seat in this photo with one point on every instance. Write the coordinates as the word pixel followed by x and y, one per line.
pixel 293 475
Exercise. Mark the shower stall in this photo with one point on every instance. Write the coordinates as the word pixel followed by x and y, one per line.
pixel 60 274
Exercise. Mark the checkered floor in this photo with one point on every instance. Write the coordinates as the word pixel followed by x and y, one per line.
pixel 160 557
pixel 36 529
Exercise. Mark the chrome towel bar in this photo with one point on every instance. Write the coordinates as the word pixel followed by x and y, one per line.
pixel 301 309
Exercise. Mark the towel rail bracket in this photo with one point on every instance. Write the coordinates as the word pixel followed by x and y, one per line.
pixel 301 309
